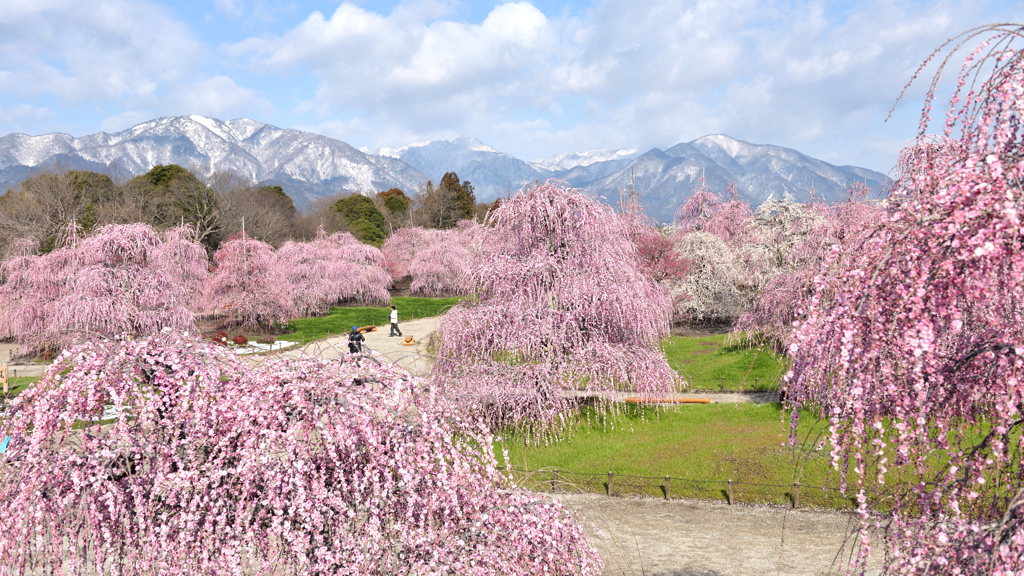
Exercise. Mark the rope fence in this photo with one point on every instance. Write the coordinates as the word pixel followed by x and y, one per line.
pixel 718 384
pixel 796 494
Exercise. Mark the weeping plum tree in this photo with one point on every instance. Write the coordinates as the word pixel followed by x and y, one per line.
pixel 216 466
pixel 839 233
pixel 442 269
pixel 355 270
pixel 246 287
pixel 698 208
pixel 120 288
pixel 560 309
pixel 401 248
pixel 111 283
pixel 184 259
pixel 915 351
pixel 330 270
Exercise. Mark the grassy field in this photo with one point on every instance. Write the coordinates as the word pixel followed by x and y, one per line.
pixel 707 444
pixel 19 384
pixel 340 320
pixel 705 360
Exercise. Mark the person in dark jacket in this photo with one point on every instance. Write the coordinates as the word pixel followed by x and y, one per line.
pixel 355 341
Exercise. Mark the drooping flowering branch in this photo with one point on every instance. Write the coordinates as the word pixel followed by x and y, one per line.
pixel 246 287
pixel 562 309
pixel 915 350
pixel 214 466
pixel 115 282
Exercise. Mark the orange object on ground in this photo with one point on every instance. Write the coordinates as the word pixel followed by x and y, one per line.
pixel 409 341
pixel 668 401
pixel 365 329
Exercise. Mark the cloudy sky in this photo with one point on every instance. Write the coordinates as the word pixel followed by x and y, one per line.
pixel 529 78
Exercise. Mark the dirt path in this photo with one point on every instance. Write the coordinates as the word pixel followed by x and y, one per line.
pixel 414 359
pixel 694 538
pixel 7 355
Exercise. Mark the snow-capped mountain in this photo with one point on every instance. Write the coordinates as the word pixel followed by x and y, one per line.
pixel 759 171
pixel 568 160
pixel 308 165
pixel 492 173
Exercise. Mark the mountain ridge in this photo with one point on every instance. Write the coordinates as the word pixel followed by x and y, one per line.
pixel 311 166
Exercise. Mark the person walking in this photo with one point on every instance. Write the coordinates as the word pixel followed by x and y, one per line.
pixel 394 323
pixel 355 341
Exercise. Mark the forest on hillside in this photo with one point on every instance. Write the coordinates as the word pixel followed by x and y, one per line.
pixel 217 206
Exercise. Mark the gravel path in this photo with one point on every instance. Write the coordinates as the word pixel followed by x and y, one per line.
pixel 414 359
pixel 694 538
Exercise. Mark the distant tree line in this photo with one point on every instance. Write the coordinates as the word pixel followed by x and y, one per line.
pixel 219 204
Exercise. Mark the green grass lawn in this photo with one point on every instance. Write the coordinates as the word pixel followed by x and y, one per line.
pixel 709 444
pixel 340 320
pixel 705 360
pixel 18 385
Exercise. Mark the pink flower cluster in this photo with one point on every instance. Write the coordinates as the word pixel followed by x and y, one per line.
pixel 437 260
pixel 561 310
pixel 123 279
pixel 330 270
pixel 214 466
pixel 913 348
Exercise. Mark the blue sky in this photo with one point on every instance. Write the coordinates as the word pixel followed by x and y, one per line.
pixel 531 79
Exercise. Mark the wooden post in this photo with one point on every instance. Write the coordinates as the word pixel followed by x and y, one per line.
pixel 610 474
pixel 668 487
pixel 3 376
pixel 730 492
pixel 796 495
pixel 554 480
pixel 756 384
pixel 723 382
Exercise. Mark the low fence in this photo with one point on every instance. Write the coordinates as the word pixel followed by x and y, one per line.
pixel 796 494
pixel 748 385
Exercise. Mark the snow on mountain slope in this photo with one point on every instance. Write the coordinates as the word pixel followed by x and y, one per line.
pixel 258 151
pixel 309 165
pixel 568 160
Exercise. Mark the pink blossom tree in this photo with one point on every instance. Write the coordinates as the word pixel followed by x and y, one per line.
pixel 839 232
pixel 246 287
pixel 303 265
pixel 442 268
pixel 355 271
pixel 120 288
pixel 102 286
pixel 401 248
pixel 21 312
pixel 330 270
pixel 561 310
pixel 185 261
pixel 656 253
pixel 914 351
pixel 216 466
pixel 698 208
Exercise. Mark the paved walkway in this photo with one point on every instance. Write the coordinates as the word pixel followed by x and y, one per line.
pixel 695 538
pixel 7 353
pixel 414 359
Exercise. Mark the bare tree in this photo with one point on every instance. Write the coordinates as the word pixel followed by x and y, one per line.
pixel 436 207
pixel 41 206
pixel 198 205
pixel 320 212
pixel 268 212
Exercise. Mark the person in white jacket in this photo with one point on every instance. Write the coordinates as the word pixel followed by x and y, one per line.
pixel 394 323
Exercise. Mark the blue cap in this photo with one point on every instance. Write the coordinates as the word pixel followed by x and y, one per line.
pixel 355 327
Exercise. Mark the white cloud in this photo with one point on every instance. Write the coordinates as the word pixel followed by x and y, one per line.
pixel 218 96
pixel 637 72
pixel 82 51
pixel 24 114
pixel 125 120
